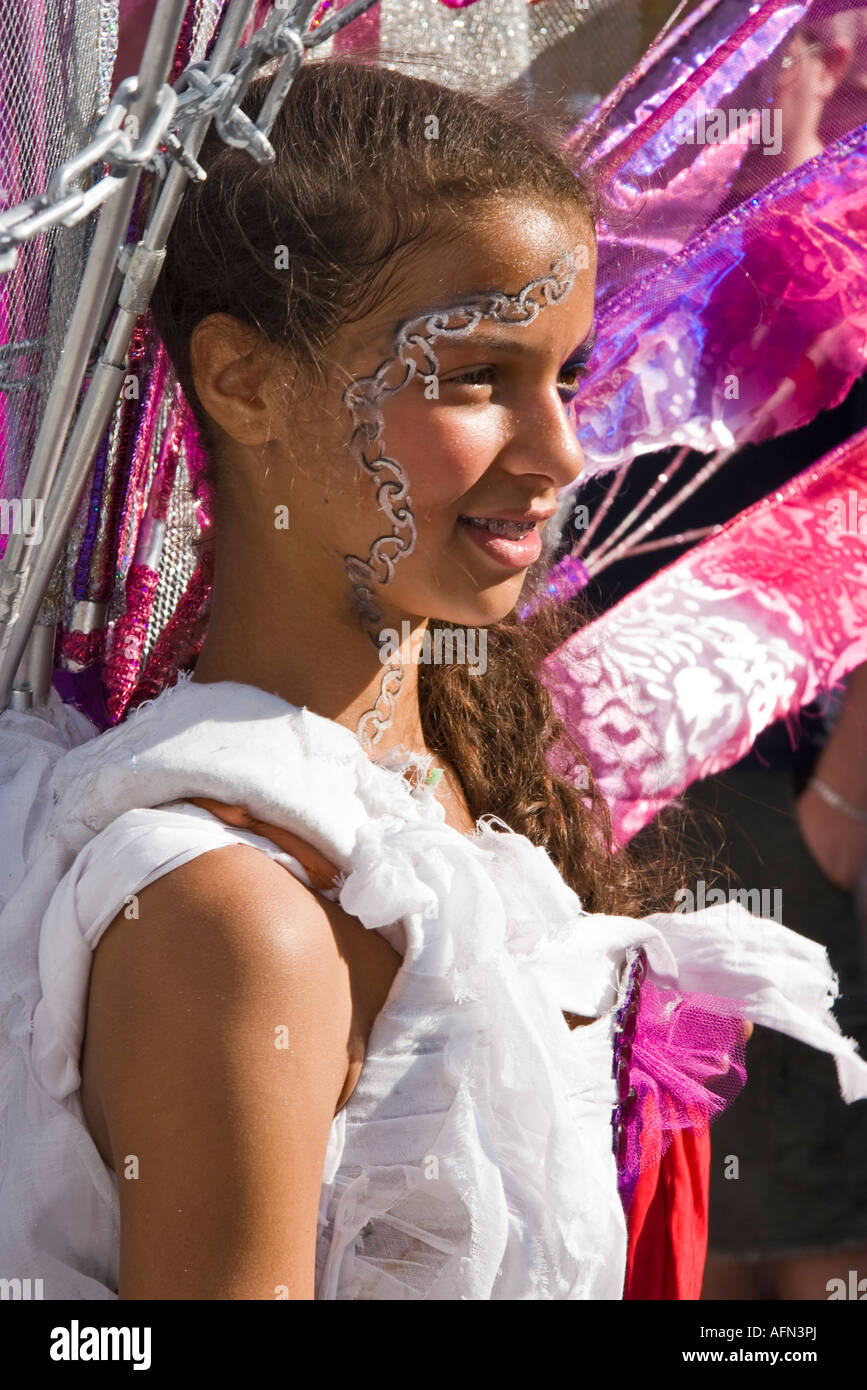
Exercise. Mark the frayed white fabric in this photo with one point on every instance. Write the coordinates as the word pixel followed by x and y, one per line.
pixel 473 1160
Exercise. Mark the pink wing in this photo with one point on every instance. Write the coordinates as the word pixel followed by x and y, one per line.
pixel 677 681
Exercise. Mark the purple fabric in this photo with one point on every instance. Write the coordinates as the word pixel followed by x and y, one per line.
pixel 731 272
pixel 727 58
pixel 749 332
pixel 687 1067
pixel 84 690
pixel 565 579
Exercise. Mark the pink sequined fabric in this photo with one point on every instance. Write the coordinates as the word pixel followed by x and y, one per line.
pixel 748 332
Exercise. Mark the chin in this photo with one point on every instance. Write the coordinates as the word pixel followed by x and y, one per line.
pixel 457 606
pixel 481 609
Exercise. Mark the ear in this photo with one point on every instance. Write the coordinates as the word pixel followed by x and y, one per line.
pixel 229 363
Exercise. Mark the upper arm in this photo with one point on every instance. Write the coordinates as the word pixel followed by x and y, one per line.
pixel 219 1022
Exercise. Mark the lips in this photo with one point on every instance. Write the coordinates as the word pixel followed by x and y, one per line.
pixel 512 541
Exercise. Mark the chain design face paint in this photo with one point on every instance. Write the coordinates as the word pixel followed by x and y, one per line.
pixel 363 399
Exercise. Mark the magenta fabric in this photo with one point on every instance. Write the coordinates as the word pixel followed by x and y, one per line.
pixel 678 679
pixel 748 332
pixel 724 55
pixel 687 1066
pixel 731 286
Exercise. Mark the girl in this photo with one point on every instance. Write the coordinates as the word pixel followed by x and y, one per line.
pixel 402 1069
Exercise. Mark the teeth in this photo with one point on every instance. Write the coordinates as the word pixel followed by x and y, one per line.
pixel 514 530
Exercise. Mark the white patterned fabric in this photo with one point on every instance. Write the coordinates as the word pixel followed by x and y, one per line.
pixel 473 1160
pixel 678 679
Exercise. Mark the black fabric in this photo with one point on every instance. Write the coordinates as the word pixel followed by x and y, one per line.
pixel 802 1177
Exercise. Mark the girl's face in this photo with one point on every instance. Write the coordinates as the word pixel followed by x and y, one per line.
pixel 488 436
pixel 811 73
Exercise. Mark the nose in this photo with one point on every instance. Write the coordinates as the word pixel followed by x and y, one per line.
pixel 546 442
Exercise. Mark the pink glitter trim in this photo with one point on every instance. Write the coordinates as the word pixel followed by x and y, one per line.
pixel 83 647
pixel 128 638
pixel 181 638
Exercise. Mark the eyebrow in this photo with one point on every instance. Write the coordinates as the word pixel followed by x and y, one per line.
pixel 484 340
pixel 500 343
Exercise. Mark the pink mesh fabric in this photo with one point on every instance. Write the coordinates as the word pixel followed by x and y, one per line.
pixel 687 1067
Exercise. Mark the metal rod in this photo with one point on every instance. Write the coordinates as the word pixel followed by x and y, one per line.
pixel 166 206
pixel 26 585
pixel 662 480
pixel 33 678
pixel 109 371
pixel 32 578
pixel 336 21
pixel 24 576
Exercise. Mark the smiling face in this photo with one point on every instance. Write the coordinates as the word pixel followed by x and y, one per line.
pixel 487 435
pixel 482 429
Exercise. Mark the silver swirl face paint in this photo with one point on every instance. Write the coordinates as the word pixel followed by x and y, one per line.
pixel 364 397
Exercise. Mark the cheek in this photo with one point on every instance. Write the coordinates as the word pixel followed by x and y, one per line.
pixel 444 450
pixel 790 100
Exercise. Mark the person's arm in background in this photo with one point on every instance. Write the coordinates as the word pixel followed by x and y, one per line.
pixel 835 837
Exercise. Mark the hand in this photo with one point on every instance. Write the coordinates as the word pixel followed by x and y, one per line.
pixel 837 843
pixel 320 871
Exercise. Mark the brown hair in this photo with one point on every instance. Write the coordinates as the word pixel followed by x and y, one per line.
pixel 356 180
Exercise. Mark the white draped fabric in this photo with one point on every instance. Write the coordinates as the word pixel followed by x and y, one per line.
pixel 474 1159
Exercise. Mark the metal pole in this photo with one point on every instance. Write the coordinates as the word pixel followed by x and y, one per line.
pixel 18 609
pixel 24 577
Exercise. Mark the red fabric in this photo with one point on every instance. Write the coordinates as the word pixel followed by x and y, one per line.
pixel 667 1222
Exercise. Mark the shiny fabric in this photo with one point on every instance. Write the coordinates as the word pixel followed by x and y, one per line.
pixel 688 1065
pixel 658 191
pixel 668 1223
pixel 749 331
pixel 676 681
pixel 725 260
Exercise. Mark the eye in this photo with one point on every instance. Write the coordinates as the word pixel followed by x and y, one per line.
pixel 571 375
pixel 574 373
pixel 474 376
pixel 577 368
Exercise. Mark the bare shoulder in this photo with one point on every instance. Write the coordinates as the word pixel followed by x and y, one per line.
pixel 216 1049
pixel 229 908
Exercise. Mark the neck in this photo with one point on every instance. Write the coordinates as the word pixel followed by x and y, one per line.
pixel 309 648
pixel 805 145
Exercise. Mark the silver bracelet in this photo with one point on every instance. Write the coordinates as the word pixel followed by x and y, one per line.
pixel 835 799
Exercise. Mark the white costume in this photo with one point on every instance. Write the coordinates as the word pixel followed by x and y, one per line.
pixel 474 1158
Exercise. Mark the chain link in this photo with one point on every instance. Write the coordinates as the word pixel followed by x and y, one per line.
pixel 176 110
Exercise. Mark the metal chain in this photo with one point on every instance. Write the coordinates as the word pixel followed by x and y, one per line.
pixel 120 285
pixel 177 110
